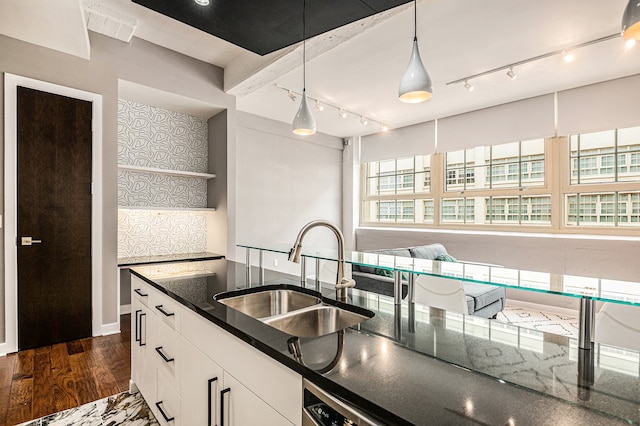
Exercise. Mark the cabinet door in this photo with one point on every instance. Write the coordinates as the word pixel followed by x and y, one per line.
pixel 241 407
pixel 167 406
pixel 143 366
pixel 200 387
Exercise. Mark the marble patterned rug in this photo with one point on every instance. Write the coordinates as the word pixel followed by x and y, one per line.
pixel 120 409
pixel 564 325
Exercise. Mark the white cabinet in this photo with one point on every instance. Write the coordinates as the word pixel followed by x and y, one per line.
pixel 143 368
pixel 192 372
pixel 202 381
pixel 258 385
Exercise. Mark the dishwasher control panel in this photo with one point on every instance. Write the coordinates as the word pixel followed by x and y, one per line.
pixel 323 409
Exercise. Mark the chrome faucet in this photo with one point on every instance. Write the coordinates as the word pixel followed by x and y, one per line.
pixel 342 283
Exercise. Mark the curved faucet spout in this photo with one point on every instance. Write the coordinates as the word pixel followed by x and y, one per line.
pixel 342 283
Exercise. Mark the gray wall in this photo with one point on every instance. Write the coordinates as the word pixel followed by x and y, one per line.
pixel 283 181
pixel 139 62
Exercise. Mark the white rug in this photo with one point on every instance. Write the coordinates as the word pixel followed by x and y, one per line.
pixel 564 325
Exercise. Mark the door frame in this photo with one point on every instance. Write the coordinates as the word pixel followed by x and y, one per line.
pixel 11 83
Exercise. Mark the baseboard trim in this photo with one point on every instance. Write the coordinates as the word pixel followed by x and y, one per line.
pixel 113 328
pixel 125 309
pixel 544 308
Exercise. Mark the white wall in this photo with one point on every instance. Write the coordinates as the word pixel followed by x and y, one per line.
pixel 282 182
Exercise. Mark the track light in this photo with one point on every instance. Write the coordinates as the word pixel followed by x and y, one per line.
pixel 467 86
pixel 319 106
pixel 415 86
pixel 568 56
pixel 385 128
pixel 292 96
pixel 363 120
pixel 304 123
pixel 631 21
pixel 342 113
pixel 512 75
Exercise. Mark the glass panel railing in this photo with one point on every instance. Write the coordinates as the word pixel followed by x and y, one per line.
pixel 600 288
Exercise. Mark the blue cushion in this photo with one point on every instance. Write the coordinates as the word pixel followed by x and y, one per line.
pixel 446 258
pixel 429 252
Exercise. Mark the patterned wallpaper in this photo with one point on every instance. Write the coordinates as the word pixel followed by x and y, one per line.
pixel 155 137
pixel 159 232
pixel 158 190
pixel 158 138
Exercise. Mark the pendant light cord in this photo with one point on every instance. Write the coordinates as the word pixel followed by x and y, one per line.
pixel 415 20
pixel 304 46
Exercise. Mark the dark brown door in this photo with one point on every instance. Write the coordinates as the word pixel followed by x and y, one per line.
pixel 54 209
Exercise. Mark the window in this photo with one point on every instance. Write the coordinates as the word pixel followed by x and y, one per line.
pixel 397 191
pixel 603 209
pixel 507 186
pixel 605 157
pixel 511 165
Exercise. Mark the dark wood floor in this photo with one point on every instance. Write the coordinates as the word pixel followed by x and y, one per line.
pixel 37 382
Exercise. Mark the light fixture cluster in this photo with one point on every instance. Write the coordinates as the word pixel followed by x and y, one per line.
pixel 568 55
pixel 342 112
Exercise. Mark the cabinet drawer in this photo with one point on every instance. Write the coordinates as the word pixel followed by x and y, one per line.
pixel 166 351
pixel 140 290
pixel 166 309
pixel 167 407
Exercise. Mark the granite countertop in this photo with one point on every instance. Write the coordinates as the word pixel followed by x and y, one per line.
pixel 435 369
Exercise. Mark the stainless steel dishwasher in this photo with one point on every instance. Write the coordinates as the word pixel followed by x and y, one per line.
pixel 322 409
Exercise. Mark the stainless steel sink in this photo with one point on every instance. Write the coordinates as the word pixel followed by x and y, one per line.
pixel 270 302
pixel 316 321
pixel 293 310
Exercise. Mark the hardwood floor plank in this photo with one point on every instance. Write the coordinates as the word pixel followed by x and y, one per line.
pixel 38 382
pixel 21 395
pixel 42 403
pixel 64 392
pixel 7 366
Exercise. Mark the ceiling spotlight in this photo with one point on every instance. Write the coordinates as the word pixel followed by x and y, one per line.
pixel 568 56
pixel 631 21
pixel 385 127
pixel 629 43
pixel 291 95
pixel 342 113
pixel 202 2
pixel 319 106
pixel 363 120
pixel 512 75
pixel 467 86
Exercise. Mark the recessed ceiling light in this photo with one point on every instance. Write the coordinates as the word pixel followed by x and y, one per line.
pixel 202 2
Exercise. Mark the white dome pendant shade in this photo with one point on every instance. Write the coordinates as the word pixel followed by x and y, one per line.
pixel 631 21
pixel 415 86
pixel 304 123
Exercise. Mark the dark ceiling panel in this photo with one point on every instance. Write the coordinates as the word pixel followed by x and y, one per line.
pixel 264 26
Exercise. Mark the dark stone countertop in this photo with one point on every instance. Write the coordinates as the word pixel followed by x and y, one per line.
pixel 438 369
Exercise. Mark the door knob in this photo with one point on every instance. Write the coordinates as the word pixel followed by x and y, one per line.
pixel 28 241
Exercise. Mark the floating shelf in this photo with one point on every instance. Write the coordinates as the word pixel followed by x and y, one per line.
pixel 189 209
pixel 167 172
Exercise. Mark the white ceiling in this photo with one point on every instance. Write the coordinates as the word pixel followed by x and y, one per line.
pixel 358 67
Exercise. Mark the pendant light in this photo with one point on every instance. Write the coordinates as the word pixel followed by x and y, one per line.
pixel 631 21
pixel 415 86
pixel 303 122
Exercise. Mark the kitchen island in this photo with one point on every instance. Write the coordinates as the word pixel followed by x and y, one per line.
pixel 433 368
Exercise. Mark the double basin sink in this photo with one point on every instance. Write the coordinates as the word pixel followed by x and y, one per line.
pixel 294 310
